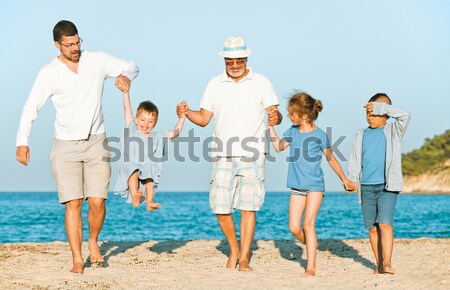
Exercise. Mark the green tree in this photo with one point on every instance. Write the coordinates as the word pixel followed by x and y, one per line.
pixel 430 157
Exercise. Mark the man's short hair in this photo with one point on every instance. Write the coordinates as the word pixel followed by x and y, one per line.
pixel 64 28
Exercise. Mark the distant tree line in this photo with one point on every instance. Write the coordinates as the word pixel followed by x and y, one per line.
pixel 431 157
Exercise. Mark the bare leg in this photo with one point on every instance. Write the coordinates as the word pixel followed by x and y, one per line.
pixel 248 224
pixel 387 240
pixel 375 243
pixel 96 217
pixel 150 196
pixel 133 187
pixel 74 230
pixel 313 202
pixel 227 225
pixel 296 207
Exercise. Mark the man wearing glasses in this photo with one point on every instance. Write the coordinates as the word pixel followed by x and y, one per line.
pixel 238 99
pixel 79 158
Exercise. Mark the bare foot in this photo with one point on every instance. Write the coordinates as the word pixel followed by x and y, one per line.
pixel 232 261
pixel 309 273
pixel 78 268
pixel 389 269
pixel 136 198
pixel 244 267
pixel 152 206
pixel 96 256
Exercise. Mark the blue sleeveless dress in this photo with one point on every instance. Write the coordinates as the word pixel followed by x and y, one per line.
pixel 143 154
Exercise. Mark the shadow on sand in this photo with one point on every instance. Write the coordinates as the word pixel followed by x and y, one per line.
pixel 291 250
pixel 340 249
pixel 111 249
pixel 167 246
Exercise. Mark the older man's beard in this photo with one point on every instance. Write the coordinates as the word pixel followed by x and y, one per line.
pixel 237 74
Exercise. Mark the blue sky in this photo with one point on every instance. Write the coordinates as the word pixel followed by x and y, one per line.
pixel 341 52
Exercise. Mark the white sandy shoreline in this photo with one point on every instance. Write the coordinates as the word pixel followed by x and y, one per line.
pixel 341 264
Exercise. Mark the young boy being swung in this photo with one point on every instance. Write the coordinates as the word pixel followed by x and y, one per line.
pixel 142 155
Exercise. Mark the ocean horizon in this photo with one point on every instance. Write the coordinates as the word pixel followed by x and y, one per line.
pixel 38 217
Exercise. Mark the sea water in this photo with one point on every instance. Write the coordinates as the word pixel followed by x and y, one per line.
pixel 38 217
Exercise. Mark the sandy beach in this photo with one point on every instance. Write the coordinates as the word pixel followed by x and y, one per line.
pixel 421 264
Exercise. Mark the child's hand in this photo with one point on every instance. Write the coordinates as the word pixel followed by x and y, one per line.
pixel 369 108
pixel 123 83
pixel 350 185
pixel 182 109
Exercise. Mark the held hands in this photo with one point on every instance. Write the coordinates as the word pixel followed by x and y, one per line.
pixel 182 109
pixel 349 185
pixel 23 154
pixel 274 117
pixel 123 83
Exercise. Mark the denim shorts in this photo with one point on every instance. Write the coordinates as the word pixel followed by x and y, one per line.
pixel 378 205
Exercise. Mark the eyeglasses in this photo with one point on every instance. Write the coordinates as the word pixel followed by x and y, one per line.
pixel 70 45
pixel 231 61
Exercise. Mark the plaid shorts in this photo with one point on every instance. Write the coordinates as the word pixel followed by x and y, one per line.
pixel 237 183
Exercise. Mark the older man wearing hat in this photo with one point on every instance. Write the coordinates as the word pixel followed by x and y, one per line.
pixel 238 99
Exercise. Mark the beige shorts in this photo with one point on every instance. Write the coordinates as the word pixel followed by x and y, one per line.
pixel 81 168
pixel 237 183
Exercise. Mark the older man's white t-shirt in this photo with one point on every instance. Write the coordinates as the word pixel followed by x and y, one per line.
pixel 239 110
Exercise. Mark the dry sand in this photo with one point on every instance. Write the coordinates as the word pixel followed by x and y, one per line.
pixel 421 264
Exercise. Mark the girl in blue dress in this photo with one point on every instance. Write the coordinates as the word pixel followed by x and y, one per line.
pixel 143 152
pixel 305 176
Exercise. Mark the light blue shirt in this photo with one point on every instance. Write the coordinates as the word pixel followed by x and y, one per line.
pixel 305 171
pixel 373 156
pixel 144 154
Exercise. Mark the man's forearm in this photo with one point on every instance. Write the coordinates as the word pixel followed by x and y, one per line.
pixel 197 118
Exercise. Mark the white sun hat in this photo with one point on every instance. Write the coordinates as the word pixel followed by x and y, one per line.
pixel 234 47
